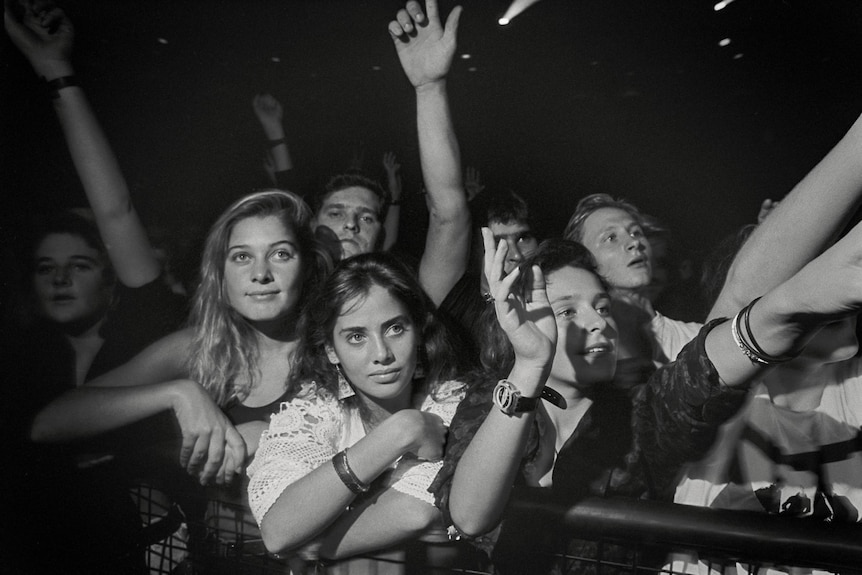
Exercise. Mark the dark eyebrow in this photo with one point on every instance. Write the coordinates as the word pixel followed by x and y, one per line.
pixel 356 329
pixel 75 257
pixel 399 319
pixel 272 245
pixel 562 298
pixel 386 324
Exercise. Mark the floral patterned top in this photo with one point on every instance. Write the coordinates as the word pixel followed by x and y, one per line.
pixel 311 428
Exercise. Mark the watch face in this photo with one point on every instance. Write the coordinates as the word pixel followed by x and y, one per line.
pixel 506 397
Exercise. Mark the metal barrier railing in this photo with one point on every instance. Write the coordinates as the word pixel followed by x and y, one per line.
pixel 637 527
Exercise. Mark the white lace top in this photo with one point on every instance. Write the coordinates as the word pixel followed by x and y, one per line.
pixel 310 429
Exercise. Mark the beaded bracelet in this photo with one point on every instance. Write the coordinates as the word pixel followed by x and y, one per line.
pixel 54 86
pixel 346 475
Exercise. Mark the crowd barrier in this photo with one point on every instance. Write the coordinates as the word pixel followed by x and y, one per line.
pixel 726 541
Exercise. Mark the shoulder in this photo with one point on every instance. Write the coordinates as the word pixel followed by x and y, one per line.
pixel 311 405
pixel 444 400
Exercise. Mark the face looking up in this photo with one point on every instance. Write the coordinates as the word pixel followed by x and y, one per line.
pixel 263 269
pixel 376 343
pixel 586 333
pixel 352 215
pixel 69 280
pixel 622 252
pixel 520 239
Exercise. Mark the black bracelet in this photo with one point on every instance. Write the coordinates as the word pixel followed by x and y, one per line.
pixel 54 86
pixel 278 142
pixel 346 475
pixel 394 202
pixel 770 359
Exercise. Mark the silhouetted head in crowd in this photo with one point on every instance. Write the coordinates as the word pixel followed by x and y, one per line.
pixel 72 278
pixel 508 218
pixel 613 231
pixel 349 213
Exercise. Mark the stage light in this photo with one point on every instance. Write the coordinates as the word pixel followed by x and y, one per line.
pixel 722 5
pixel 514 9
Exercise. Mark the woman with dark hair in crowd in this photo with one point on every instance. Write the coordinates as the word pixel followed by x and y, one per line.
pixel 345 465
pixel 596 439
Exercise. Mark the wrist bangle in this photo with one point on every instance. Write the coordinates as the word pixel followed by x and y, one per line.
pixel 276 142
pixel 745 340
pixel 346 475
pixel 394 202
pixel 54 86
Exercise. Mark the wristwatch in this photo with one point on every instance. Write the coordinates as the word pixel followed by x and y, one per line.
pixel 508 398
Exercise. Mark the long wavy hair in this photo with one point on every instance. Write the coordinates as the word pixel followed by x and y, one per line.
pixel 354 278
pixel 224 356
pixel 497 357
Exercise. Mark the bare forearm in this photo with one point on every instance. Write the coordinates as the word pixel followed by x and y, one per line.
pixel 89 411
pixel 439 153
pixel 805 222
pixel 389 519
pixel 309 505
pixel 106 189
pixel 486 472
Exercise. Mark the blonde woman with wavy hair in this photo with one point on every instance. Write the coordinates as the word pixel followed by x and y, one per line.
pixel 227 371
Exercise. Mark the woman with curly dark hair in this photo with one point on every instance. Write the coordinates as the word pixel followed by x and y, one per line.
pixel 345 465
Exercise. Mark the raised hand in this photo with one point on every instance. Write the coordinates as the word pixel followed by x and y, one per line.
pixel 393 175
pixel 472 183
pixel 212 447
pixel 44 35
pixel 268 110
pixel 390 163
pixel 424 47
pixel 525 315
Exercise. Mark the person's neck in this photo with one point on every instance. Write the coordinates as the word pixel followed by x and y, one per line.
pixel 571 393
pixel 376 411
pixel 797 385
pixel 86 341
pixel 275 334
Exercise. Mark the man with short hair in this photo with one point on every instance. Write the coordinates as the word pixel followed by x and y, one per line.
pixel 614 232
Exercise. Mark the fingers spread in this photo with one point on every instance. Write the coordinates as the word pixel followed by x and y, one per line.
pixel 451 29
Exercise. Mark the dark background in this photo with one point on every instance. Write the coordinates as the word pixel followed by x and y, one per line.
pixel 631 97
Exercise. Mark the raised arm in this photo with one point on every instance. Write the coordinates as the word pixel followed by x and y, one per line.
pixel 45 37
pixel 271 117
pixel 486 472
pixel 799 228
pixel 426 49
pixel 393 213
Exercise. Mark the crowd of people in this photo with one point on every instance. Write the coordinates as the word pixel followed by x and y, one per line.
pixel 339 399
